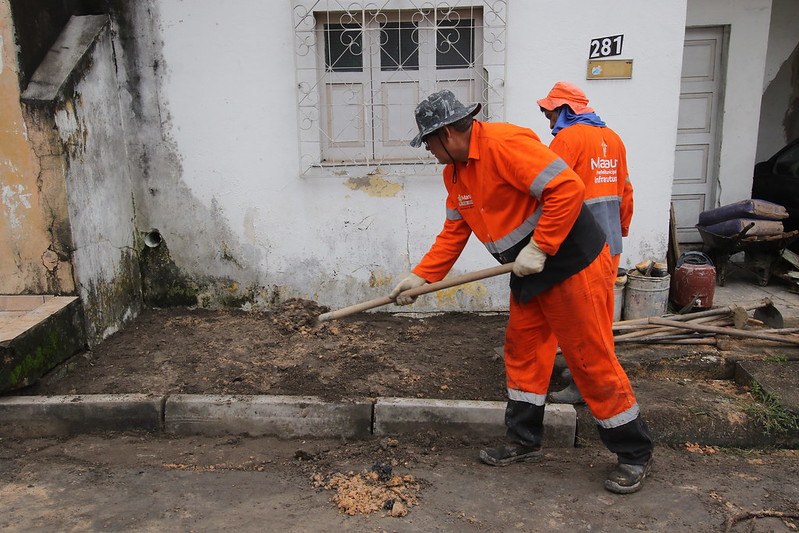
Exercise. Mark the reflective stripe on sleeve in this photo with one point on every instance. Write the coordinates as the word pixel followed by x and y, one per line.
pixel 514 237
pixel 454 214
pixel 620 419
pixel 545 176
pixel 527 397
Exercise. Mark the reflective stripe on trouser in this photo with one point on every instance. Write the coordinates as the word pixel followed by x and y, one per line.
pixel 576 314
pixel 614 273
pixel 631 442
pixel 615 260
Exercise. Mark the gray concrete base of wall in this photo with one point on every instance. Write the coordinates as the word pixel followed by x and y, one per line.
pixel 277 416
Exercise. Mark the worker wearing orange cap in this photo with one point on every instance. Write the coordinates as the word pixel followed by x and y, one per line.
pixel 526 206
pixel 597 154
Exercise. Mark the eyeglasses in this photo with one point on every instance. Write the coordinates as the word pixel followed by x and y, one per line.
pixel 426 139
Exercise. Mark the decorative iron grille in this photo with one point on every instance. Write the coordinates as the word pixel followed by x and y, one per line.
pixel 362 68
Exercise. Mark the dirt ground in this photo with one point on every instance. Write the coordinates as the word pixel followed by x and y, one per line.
pixel 424 482
pixel 155 483
pixel 194 351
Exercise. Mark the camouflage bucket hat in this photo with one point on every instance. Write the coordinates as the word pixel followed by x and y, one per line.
pixel 437 111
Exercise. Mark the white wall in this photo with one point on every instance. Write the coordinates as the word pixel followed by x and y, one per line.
pixel 748 23
pixel 231 102
pixel 642 110
pixel 233 204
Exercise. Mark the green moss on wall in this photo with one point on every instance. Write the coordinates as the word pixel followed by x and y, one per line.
pixel 163 284
pixel 108 304
pixel 38 350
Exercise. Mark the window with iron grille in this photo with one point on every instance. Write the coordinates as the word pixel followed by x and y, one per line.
pixel 362 70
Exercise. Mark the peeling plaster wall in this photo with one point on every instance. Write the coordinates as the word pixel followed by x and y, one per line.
pixel 101 200
pixel 210 107
pixel 34 221
pixel 222 181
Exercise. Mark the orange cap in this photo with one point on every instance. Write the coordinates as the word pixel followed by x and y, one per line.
pixel 564 92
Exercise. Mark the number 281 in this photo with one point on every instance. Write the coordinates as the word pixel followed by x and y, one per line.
pixel 607 46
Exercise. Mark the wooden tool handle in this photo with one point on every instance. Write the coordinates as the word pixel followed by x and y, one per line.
pixel 424 289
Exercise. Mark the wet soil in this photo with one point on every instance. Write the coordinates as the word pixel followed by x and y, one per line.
pixel 200 351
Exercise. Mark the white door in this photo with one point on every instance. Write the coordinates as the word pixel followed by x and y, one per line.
pixel 696 153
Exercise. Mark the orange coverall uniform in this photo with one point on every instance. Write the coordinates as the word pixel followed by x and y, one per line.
pixel 513 187
pixel 599 157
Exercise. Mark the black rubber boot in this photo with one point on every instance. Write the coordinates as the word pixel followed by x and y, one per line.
pixel 509 454
pixel 525 423
pixel 571 394
pixel 525 427
pixel 633 445
pixel 627 478
pixel 631 442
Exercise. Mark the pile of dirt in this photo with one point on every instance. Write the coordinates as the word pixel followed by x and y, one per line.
pixel 299 315
pixel 229 352
pixel 370 491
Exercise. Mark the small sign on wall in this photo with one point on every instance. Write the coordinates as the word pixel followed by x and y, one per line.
pixel 606 46
pixel 610 69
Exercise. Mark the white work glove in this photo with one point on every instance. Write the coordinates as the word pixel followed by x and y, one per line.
pixel 530 260
pixel 411 282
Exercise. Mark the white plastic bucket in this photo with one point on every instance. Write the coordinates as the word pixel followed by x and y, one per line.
pixel 618 297
pixel 645 296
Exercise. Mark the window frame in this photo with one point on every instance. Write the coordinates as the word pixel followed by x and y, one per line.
pixel 486 79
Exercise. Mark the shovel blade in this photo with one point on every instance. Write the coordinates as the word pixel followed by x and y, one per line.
pixel 769 315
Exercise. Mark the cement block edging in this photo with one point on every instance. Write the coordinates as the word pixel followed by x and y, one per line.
pixel 259 415
pixel 264 415
pixel 397 416
pixel 44 416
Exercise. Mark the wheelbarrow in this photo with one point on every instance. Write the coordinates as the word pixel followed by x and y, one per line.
pixel 761 252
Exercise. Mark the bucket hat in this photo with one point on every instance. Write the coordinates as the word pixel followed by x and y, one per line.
pixel 567 93
pixel 438 110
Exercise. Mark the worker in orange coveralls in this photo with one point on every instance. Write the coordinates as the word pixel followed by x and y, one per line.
pixel 597 154
pixel 526 205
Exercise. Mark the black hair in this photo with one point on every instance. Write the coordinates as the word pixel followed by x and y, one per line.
pixel 463 124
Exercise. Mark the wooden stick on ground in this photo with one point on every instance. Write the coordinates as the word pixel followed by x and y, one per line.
pixel 709 320
pixel 789 339
pixel 688 317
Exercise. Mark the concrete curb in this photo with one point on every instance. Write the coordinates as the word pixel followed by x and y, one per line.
pixel 396 416
pixel 44 416
pixel 263 415
pixel 280 416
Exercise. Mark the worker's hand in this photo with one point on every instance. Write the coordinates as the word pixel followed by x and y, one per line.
pixel 411 282
pixel 530 260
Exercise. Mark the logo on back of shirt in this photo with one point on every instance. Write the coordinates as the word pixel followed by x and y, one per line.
pixel 605 168
pixel 600 162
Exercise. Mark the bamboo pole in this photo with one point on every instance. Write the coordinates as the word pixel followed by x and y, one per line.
pixel 793 339
pixel 687 317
